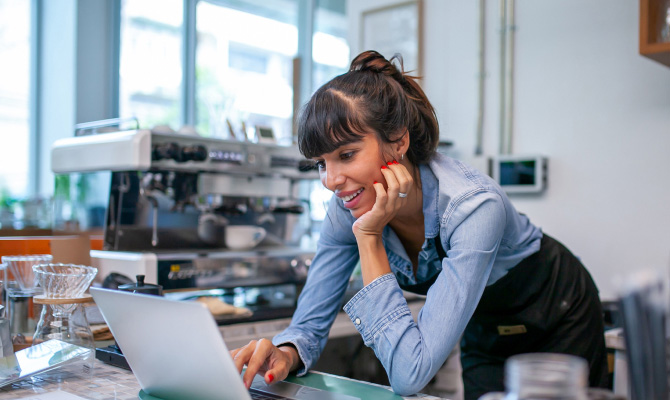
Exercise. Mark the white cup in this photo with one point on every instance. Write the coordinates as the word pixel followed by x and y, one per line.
pixel 244 236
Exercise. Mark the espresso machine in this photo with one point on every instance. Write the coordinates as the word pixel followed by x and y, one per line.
pixel 172 201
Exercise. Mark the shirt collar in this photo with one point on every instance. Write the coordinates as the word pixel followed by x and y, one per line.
pixel 430 188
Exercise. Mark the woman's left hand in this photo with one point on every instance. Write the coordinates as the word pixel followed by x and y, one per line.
pixel 389 201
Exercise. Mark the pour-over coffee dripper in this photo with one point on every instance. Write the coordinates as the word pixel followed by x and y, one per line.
pixel 63 316
pixel 21 267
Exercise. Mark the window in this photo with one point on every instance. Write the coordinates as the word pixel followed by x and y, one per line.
pixel 241 69
pixel 244 59
pixel 150 66
pixel 14 99
pixel 330 50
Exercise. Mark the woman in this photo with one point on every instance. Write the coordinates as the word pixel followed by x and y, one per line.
pixel 423 222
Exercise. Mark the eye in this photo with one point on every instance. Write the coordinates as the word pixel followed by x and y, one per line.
pixel 320 164
pixel 347 155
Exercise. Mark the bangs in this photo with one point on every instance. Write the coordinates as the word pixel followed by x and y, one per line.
pixel 329 120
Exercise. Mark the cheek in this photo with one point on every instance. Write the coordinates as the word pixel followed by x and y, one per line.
pixel 374 173
pixel 323 177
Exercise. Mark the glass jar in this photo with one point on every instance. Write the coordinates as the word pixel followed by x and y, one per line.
pixel 546 376
pixel 64 322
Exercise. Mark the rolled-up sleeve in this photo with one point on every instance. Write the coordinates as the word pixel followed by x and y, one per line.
pixel 412 352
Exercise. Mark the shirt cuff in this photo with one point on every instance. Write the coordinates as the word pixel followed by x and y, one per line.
pixel 304 355
pixel 375 306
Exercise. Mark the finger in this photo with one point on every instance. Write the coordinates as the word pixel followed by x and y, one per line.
pixel 405 179
pixel 260 356
pixel 381 196
pixel 391 183
pixel 280 369
pixel 243 354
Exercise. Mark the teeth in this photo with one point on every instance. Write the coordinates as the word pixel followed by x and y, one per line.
pixel 349 198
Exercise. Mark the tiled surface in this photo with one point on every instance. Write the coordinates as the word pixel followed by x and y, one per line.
pixel 104 382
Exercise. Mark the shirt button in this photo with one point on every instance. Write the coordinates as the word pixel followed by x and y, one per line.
pixel 357 321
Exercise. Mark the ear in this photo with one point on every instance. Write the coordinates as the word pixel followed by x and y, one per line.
pixel 402 145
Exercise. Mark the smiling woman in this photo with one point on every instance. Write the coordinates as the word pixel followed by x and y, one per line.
pixel 352 170
pixel 422 222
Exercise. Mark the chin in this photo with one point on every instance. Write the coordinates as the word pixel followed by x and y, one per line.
pixel 359 211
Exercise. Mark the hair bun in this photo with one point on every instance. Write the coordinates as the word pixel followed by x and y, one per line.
pixel 373 61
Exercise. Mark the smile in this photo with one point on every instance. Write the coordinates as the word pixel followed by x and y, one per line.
pixel 351 197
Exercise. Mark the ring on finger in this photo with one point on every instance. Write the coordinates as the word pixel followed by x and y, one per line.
pixel 402 195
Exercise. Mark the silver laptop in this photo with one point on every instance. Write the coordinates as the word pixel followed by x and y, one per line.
pixel 176 351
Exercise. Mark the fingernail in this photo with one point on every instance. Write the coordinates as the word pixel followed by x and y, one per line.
pixel 389 163
pixel 270 378
pixel 395 162
pixel 383 166
pixel 374 183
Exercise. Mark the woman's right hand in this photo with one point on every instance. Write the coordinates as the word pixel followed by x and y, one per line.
pixel 263 358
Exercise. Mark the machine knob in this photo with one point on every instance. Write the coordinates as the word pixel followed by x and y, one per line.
pixel 193 153
pixel 164 151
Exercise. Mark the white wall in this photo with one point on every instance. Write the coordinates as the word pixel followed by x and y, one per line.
pixel 585 98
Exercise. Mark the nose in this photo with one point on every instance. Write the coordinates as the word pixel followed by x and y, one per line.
pixel 332 177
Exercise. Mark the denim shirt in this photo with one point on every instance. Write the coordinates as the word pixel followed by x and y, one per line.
pixel 483 237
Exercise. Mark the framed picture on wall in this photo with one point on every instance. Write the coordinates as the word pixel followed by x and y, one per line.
pixel 395 28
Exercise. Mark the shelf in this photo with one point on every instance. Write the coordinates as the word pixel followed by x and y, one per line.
pixel 652 13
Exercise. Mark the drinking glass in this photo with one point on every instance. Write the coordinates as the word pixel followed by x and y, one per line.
pixel 22 313
pixel 546 376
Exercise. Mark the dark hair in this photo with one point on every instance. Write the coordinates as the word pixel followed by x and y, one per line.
pixel 374 95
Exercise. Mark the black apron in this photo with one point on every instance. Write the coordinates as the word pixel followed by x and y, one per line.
pixel 546 303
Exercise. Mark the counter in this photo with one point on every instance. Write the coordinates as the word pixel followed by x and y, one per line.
pixel 107 382
pixel 104 383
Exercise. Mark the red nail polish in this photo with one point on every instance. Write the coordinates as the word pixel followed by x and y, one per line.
pixel 374 183
pixel 395 162
pixel 383 166
pixel 270 378
pixel 389 163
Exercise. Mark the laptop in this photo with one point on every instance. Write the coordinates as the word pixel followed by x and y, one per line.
pixel 176 351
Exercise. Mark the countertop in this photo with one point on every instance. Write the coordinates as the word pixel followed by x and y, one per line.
pixel 105 382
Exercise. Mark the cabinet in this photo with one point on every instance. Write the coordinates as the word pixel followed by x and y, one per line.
pixel 654 26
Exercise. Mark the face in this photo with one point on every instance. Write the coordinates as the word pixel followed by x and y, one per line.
pixel 350 172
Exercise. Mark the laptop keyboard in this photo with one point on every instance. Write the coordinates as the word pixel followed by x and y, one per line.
pixel 258 395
